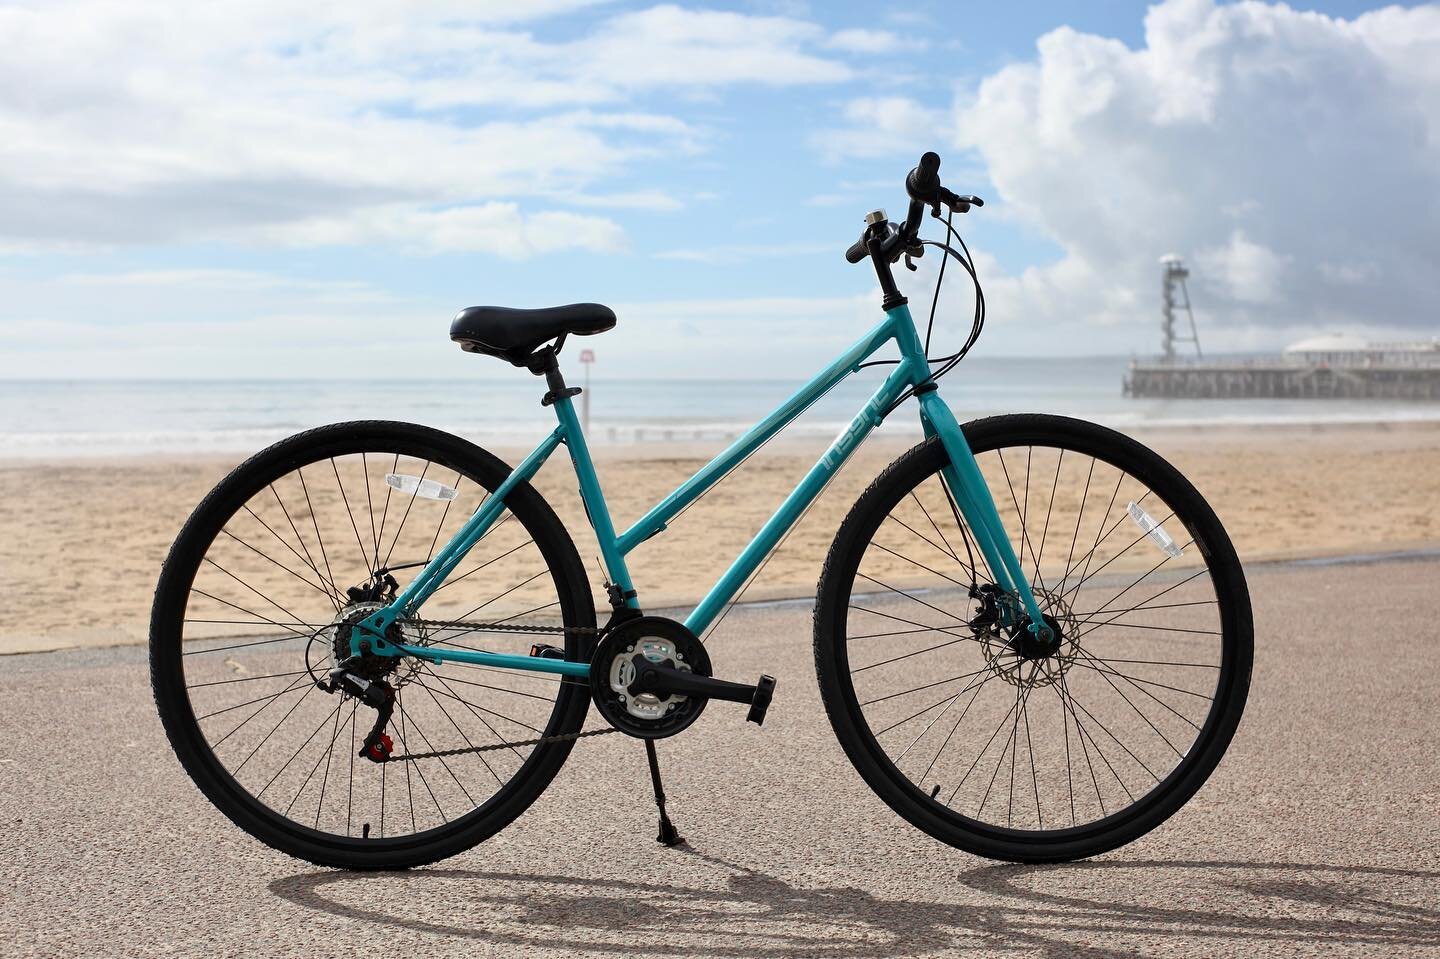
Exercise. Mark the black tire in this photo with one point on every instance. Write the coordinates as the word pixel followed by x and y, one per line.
pixel 170 646
pixel 1107 828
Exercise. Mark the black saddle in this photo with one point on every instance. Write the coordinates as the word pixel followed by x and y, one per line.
pixel 514 335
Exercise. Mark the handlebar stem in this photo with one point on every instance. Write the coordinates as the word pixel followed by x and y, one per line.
pixel 876 236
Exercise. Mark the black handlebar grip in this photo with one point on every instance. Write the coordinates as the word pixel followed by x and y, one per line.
pixel 925 178
pixel 857 252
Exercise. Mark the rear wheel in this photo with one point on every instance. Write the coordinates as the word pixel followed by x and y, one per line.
pixel 253 608
pixel 984 738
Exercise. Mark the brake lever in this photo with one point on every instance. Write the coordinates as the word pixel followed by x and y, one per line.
pixel 960 204
pixel 914 252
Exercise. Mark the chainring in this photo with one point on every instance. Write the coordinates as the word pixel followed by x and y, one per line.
pixel 612 669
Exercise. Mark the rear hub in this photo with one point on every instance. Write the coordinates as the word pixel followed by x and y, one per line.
pixel 373 666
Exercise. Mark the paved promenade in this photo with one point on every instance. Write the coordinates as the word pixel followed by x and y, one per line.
pixel 1319 834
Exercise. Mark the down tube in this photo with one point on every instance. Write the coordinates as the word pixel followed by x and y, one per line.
pixel 799 500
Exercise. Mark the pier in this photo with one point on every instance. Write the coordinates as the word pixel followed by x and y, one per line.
pixel 1277 379
pixel 1330 366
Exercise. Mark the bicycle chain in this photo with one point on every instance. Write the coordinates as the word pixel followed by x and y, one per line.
pixel 505 628
pixel 441 753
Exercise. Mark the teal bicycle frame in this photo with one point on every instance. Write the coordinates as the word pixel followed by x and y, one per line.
pixel 962 475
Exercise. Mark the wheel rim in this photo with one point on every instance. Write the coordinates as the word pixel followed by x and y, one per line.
pixel 988 735
pixel 267 606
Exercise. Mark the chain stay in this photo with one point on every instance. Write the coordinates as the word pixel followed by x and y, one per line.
pixel 504 628
pixel 507 627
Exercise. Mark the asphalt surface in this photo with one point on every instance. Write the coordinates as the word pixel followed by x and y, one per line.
pixel 1318 835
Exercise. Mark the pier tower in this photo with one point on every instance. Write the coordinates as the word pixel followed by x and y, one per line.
pixel 1173 281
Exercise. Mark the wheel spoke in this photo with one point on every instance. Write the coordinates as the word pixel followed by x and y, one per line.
pixel 409 504
pixel 915 598
pixel 328 588
pixel 309 558
pixel 430 554
pixel 496 559
pixel 350 515
pixel 1021 511
pixel 920 565
pixel 314 522
pixel 475 712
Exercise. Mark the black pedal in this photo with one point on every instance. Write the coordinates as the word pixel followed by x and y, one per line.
pixel 760 702
pixel 546 651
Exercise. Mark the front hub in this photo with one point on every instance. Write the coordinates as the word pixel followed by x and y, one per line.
pixel 1026 658
pixel 1037 644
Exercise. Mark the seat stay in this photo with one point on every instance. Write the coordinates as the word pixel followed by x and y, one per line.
pixel 372 629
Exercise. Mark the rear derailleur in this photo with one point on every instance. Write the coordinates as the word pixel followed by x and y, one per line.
pixel 375 693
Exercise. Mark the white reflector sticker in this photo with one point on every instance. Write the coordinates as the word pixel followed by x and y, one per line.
pixel 1154 530
pixel 424 488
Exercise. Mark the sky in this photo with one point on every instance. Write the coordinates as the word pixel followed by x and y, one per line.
pixel 273 189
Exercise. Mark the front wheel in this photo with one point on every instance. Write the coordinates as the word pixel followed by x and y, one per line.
pixel 974 732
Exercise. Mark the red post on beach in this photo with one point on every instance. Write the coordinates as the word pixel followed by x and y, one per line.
pixel 587 357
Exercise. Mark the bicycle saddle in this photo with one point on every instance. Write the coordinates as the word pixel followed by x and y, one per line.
pixel 514 334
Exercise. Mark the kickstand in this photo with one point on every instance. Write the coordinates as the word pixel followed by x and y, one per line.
pixel 668 836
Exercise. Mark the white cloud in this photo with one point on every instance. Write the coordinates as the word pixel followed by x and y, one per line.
pixel 668 45
pixel 653 200
pixel 207 322
pixel 151 122
pixel 1269 146
pixel 739 252
pixel 188 281
pixel 1248 272
pixel 865 41
pixel 883 126
pixel 496 228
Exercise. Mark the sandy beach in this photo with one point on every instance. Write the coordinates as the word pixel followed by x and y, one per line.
pixel 85 538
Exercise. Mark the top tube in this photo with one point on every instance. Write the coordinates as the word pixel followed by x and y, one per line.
pixel 897 325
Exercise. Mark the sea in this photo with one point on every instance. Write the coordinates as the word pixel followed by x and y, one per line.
pixel 47 419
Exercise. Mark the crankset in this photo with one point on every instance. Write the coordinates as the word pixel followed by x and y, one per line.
pixel 651 678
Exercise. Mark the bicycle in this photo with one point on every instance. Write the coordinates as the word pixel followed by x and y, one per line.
pixel 944 597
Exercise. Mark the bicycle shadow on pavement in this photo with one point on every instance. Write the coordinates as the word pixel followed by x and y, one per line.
pixel 1097 909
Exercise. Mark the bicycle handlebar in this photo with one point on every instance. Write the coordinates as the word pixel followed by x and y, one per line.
pixel 857 251
pixel 922 184
pixel 924 180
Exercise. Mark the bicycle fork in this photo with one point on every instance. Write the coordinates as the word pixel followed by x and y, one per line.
pixel 972 497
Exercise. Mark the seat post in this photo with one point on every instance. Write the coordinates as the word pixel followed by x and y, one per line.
pixel 545 362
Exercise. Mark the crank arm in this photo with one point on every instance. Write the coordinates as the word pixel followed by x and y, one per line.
pixel 666 680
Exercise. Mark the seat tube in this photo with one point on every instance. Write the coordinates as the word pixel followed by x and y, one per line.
pixel 594 500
